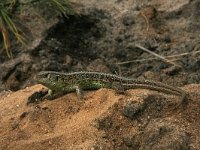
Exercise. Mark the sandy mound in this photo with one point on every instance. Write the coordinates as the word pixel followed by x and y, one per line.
pixel 140 119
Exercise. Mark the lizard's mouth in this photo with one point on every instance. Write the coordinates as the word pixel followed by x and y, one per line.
pixel 42 79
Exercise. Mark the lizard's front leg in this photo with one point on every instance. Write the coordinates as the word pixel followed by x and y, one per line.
pixel 53 94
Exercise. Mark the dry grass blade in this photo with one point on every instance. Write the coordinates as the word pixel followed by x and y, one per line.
pixel 155 58
pixel 5 39
pixel 59 6
pixel 159 56
pixel 142 60
pixel 5 36
pixel 62 6
pixel 146 20
pixel 12 27
pixel 7 26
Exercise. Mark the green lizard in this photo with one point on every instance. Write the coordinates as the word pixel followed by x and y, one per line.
pixel 77 81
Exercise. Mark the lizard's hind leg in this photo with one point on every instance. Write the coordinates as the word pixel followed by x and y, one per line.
pixel 118 87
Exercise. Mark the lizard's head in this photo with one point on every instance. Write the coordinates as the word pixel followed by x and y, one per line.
pixel 48 79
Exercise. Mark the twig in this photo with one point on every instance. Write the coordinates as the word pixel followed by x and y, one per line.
pixel 171 56
pixel 146 20
pixel 184 54
pixel 161 57
pixel 141 60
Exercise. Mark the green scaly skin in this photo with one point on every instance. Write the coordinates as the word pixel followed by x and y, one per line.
pixel 77 81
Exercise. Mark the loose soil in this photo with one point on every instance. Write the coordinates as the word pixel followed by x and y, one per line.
pixel 141 119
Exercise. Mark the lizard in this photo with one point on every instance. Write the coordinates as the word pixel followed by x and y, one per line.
pixel 58 82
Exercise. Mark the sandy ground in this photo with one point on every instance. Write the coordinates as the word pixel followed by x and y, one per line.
pixel 140 119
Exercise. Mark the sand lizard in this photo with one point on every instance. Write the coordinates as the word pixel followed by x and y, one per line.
pixel 78 81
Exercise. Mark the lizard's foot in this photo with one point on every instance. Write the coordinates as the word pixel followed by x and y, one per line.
pixel 53 95
pixel 183 102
